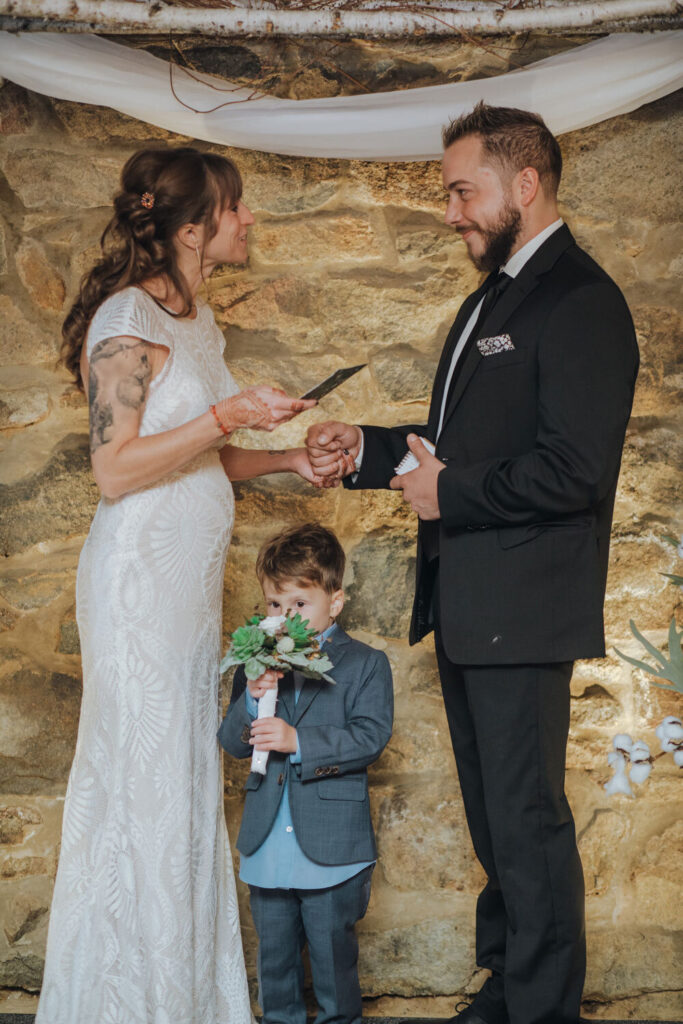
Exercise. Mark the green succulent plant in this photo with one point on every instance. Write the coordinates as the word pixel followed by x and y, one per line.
pixel 670 668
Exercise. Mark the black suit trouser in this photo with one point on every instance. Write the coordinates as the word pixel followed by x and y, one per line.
pixel 509 726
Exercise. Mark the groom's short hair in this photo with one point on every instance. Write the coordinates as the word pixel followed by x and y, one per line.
pixel 307 554
pixel 513 139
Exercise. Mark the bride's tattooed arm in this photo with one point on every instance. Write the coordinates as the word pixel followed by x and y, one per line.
pixel 119 376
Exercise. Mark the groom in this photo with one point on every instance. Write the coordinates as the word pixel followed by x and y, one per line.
pixel 528 413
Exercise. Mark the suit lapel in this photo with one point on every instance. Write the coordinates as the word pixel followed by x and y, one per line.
pixel 517 291
pixel 335 648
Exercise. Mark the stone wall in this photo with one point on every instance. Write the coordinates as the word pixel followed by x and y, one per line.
pixel 350 262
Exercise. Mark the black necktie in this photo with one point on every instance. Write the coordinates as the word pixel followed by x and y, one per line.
pixel 497 286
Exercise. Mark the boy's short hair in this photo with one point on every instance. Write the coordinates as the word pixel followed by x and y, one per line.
pixel 309 553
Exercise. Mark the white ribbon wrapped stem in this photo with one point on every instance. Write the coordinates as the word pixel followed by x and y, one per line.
pixel 266 709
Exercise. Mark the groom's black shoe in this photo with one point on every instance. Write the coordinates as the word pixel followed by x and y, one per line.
pixel 467 1015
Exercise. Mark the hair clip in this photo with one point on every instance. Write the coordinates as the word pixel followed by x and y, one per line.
pixel 147 200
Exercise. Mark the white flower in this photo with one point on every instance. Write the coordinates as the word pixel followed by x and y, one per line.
pixel 640 771
pixel 272 624
pixel 670 733
pixel 619 782
pixel 678 758
pixel 285 645
pixel 622 741
pixel 640 752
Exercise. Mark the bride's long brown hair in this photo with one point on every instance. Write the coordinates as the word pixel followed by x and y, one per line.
pixel 188 187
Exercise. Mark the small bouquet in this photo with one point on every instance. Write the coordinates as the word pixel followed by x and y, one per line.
pixel 277 642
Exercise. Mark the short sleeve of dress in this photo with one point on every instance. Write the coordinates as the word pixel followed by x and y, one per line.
pixel 129 313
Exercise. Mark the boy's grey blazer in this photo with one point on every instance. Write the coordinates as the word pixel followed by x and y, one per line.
pixel 342 728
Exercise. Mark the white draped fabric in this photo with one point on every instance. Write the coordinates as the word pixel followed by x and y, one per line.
pixel 571 90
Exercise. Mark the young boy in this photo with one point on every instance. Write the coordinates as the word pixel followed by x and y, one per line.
pixel 306 841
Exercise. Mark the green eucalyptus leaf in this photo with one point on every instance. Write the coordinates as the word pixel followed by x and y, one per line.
pixel 671 540
pixel 253 668
pixel 228 662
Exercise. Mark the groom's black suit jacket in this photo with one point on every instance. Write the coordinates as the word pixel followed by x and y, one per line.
pixel 532 442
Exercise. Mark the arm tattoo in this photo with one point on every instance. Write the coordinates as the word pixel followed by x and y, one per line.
pixel 101 414
pixel 131 389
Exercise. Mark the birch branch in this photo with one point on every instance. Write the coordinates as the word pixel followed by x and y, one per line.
pixel 134 16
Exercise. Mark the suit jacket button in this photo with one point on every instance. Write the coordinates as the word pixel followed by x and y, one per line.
pixel 335 770
pixel 280 779
pixel 319 771
pixel 496 639
pixel 246 734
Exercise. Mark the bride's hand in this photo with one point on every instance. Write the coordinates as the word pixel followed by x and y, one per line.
pixel 300 464
pixel 260 408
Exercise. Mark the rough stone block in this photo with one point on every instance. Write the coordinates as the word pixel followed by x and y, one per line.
pixel 423 839
pixel 326 238
pixel 3 247
pixel 397 949
pixel 22 340
pixel 43 283
pixel 44 179
pixel 378 557
pixel 39 723
pixel 58 501
pixel 20 407
pixel 404 375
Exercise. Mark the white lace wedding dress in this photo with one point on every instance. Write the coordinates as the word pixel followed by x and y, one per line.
pixel 144 926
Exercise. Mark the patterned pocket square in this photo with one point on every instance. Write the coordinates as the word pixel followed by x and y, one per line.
pixel 492 346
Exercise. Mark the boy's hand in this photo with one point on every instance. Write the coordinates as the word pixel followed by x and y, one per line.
pixel 273 734
pixel 268 681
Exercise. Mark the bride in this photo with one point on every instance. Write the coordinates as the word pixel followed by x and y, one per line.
pixel 144 926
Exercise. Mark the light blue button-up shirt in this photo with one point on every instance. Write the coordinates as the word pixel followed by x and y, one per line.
pixel 279 862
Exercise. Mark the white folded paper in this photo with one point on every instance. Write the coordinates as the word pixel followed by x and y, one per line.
pixel 409 461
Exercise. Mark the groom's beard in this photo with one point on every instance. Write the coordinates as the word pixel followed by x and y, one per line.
pixel 498 240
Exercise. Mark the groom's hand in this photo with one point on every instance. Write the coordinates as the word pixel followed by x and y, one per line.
pixel 273 734
pixel 332 449
pixel 420 485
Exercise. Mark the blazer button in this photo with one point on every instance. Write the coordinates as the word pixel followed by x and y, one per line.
pixel 319 771
pixel 497 639
pixel 280 779
pixel 335 770
pixel 246 734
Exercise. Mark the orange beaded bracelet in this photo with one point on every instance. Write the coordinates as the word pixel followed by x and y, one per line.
pixel 218 421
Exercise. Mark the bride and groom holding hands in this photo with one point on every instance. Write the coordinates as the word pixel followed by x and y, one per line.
pixel 514 493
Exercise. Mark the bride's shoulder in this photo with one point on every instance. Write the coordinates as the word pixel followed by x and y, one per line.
pixel 129 312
